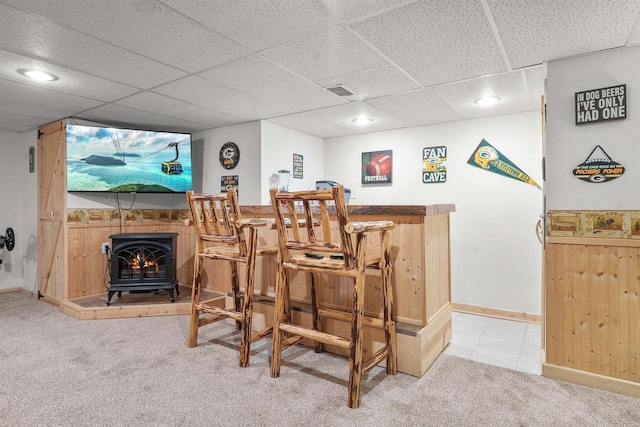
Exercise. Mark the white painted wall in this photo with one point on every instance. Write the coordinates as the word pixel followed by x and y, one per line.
pixel 247 137
pixel 496 257
pixel 569 145
pixel 18 210
pixel 278 146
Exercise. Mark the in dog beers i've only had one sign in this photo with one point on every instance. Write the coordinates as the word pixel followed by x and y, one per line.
pixel 600 105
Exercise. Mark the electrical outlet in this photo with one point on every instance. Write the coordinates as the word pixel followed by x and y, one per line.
pixel 105 248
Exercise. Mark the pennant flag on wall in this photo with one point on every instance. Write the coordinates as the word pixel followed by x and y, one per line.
pixel 487 157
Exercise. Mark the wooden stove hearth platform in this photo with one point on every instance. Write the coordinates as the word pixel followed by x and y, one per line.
pixel 133 305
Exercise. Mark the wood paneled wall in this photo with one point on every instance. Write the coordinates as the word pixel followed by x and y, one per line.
pixel 592 306
pixel 419 247
pixel 88 270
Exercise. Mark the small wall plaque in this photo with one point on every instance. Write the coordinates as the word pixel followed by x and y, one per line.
pixel 298 166
pixel 598 167
pixel 32 159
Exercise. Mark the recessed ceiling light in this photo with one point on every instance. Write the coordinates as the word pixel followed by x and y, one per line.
pixel 487 100
pixel 362 121
pixel 41 76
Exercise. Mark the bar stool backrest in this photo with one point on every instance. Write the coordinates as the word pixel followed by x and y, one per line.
pixel 215 217
pixel 298 210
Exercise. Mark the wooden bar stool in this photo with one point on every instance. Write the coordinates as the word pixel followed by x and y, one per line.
pixel 220 235
pixel 318 254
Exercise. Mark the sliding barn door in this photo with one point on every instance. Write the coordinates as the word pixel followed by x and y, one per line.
pixel 52 212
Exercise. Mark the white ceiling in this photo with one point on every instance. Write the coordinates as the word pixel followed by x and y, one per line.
pixel 190 65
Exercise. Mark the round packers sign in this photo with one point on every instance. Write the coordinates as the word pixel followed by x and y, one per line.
pixel 229 155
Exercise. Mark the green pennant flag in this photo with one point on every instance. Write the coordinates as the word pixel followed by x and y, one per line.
pixel 489 158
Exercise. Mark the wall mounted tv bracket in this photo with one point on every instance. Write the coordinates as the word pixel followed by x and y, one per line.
pixel 9 239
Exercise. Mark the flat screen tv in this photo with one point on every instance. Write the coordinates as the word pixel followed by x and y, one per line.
pixel 127 160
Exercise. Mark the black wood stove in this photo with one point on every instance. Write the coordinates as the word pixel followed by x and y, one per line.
pixel 143 263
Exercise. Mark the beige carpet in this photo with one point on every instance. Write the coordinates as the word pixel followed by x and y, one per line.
pixel 58 371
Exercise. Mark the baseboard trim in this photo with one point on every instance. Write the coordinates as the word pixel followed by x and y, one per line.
pixel 589 379
pixel 10 291
pixel 496 312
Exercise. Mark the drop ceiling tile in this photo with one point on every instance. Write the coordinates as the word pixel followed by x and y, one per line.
pixel 419 108
pixel 312 124
pixel 168 36
pixel 332 53
pixel 635 37
pixel 373 83
pixel 159 104
pixel 29 121
pixel 436 42
pixel 21 108
pixel 346 11
pixel 344 115
pixel 510 87
pixel 13 127
pixel 533 33
pixel 34 36
pixel 262 79
pixel 535 84
pixel 258 25
pixel 70 81
pixel 22 120
pixel 47 97
pixel 125 116
pixel 199 91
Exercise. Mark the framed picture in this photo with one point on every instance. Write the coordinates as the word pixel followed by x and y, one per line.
pixel 377 167
pixel 298 169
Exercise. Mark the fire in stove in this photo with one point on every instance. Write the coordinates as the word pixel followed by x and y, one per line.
pixel 140 261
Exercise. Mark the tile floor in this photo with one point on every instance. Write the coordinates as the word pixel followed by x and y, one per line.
pixel 505 343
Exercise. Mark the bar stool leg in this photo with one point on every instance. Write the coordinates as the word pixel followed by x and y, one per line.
pixel 355 358
pixel 279 314
pixel 315 305
pixel 387 294
pixel 235 291
pixel 195 299
pixel 247 309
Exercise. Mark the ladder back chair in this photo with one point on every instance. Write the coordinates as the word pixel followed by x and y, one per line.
pixel 304 249
pixel 220 235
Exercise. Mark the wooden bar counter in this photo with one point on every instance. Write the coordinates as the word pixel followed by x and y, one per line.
pixel 421 283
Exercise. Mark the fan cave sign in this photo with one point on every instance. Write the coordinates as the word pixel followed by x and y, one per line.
pixel 600 105
pixel 434 164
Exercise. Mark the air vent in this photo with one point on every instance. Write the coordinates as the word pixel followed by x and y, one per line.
pixel 339 90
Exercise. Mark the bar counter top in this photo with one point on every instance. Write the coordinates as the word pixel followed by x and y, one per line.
pixel 390 210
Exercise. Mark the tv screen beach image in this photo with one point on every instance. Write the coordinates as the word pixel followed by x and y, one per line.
pixel 127 160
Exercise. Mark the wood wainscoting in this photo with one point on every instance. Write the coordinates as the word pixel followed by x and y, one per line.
pixel 593 311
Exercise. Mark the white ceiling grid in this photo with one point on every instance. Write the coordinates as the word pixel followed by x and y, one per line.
pixel 193 65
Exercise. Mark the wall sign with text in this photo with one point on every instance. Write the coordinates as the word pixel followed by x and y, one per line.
pixel 227 182
pixel 434 164
pixel 377 167
pixel 598 167
pixel 600 105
